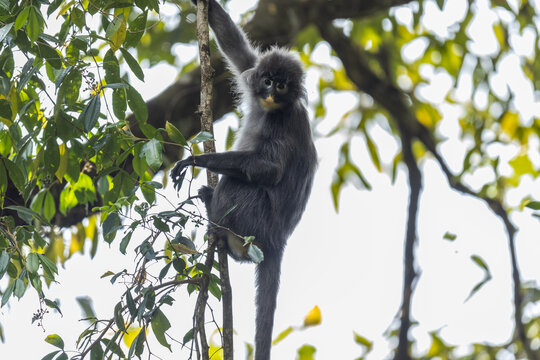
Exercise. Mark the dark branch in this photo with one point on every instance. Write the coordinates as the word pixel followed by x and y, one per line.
pixel 395 102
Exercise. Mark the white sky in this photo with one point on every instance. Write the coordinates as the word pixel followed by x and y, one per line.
pixel 348 263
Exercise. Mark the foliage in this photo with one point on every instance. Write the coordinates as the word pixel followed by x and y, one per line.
pixel 69 147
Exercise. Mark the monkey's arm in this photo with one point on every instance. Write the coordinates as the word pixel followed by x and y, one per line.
pixel 232 41
pixel 243 165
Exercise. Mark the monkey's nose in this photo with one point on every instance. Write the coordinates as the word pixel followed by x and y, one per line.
pixel 269 99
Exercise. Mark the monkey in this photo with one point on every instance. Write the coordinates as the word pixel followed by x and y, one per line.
pixel 267 178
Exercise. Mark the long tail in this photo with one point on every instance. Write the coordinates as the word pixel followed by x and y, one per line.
pixel 268 274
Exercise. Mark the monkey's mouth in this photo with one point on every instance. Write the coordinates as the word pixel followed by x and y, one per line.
pixel 269 103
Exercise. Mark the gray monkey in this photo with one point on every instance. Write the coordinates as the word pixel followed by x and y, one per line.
pixel 267 179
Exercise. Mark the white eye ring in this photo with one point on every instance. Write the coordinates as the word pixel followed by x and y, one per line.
pixel 267 82
pixel 281 88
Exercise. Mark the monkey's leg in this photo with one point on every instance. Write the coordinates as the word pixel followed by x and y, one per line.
pixel 206 193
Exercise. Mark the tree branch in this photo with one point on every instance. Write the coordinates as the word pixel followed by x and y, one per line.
pixel 205 110
pixel 395 102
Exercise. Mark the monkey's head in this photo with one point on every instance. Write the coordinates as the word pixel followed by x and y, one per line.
pixel 277 79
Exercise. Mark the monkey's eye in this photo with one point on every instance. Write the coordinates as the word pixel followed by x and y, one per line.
pixel 281 88
pixel 267 82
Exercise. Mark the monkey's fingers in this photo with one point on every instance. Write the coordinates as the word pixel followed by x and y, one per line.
pixel 177 174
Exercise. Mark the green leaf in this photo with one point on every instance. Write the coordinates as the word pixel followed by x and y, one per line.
pixel 27 214
pixel 87 306
pixel 69 87
pixel 137 346
pixel 33 28
pixel 164 271
pixel 136 30
pixel 5 111
pixel 149 193
pixel 535 205
pixel 480 262
pixel 50 356
pixel 373 153
pixel 283 335
pixel 90 114
pixel 118 319
pixel 113 26
pixel 360 340
pixel 213 287
pixel 188 337
pixel 52 155
pixel 174 134
pixel 110 226
pixel 55 340
pixel 160 225
pixel 449 236
pixel 131 304
pixel 20 288
pixel 47 263
pixel 160 324
pixel 3 184
pixel 133 64
pixel 306 352
pixel 255 254
pixel 21 18
pixel 113 347
pixel 202 137
pixel 15 174
pixel 112 68
pixel 152 152
pixel 5 30
pixel 487 275
pixel 137 105
pixel 50 55
pixel 4 261
pixel 119 103
pixel 32 263
pixel 97 352
pixel 60 79
pixel 7 293
pixel 125 242
pixel 179 264
pixel 49 208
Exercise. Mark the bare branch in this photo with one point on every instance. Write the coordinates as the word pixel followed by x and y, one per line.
pixel 395 102
pixel 205 111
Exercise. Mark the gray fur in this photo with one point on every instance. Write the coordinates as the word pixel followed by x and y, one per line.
pixel 267 179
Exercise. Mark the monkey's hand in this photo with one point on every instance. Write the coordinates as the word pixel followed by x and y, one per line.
pixel 179 171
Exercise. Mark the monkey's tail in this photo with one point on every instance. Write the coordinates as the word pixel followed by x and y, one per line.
pixel 268 274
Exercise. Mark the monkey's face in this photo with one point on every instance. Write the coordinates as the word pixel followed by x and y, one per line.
pixel 272 92
pixel 277 81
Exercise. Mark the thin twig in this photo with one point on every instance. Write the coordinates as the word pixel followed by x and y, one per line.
pixel 205 111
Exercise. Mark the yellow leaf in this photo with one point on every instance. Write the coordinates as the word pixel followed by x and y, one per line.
pixel 117 39
pixel 341 81
pixel 215 352
pixel 65 8
pixel 510 123
pixel 131 334
pixel 500 34
pixel 91 228
pixel 62 167
pixel 313 317
pixel 181 248
pixel 77 240
pixel 283 335
pixel 423 116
